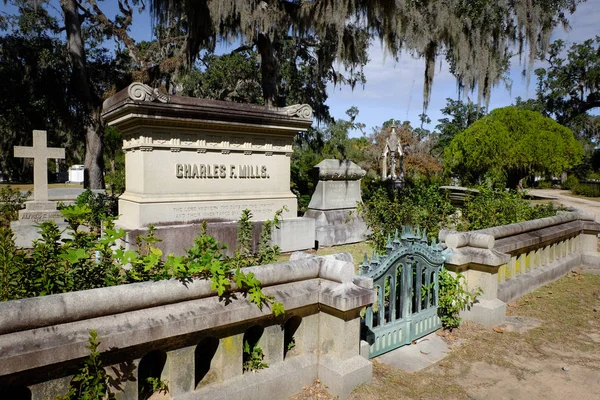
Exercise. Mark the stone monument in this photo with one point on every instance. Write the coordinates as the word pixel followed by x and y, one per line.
pixel 40 209
pixel 393 157
pixel 333 204
pixel 189 160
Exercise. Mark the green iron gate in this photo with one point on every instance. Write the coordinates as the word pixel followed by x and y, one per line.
pixel 406 280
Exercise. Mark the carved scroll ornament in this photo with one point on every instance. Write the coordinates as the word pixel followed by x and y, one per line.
pixel 140 92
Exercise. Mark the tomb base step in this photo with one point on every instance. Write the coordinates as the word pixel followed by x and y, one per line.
pixel 293 234
pixel 337 227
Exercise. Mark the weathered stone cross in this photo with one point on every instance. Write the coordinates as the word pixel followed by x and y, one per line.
pixel 40 154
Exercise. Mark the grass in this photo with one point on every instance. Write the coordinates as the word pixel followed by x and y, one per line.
pixel 485 362
pixel 579 196
pixel 357 250
pixel 29 186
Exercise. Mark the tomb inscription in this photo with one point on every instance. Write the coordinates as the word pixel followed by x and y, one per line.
pixel 220 171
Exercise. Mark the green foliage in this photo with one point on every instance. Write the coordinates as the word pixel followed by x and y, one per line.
pixel 254 358
pixel 291 344
pixel 499 207
pixel 419 205
pixel 460 116
pixel 230 77
pixel 11 261
pixel 114 159
pixel 427 207
pixel 11 201
pixel 568 88
pixel 587 189
pixel 156 385
pixel 510 144
pixel 91 381
pixel 90 259
pixel 454 297
pixel 544 184
pixel 101 206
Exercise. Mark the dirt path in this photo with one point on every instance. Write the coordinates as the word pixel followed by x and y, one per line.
pixel 565 198
pixel 558 359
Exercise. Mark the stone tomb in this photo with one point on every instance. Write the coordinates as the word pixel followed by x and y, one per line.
pixel 40 209
pixel 188 160
pixel 333 204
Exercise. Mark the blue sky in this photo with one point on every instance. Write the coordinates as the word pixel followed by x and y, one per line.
pixel 395 90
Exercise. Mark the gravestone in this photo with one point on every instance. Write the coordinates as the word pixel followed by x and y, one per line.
pixel 333 204
pixel 392 161
pixel 189 160
pixel 40 209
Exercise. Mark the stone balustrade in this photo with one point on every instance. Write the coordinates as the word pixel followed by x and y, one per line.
pixel 512 260
pixel 185 335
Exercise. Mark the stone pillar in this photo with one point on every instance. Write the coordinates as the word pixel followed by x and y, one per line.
pixel 272 344
pixel 333 204
pixel 51 389
pixel 227 362
pixel 477 260
pixel 123 382
pixel 179 371
pixel 341 367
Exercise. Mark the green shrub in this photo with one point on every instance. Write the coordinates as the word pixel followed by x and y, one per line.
pixel 544 185
pixel 11 201
pixel 254 358
pixel 571 182
pixel 90 259
pixel 91 381
pixel 454 297
pixel 418 205
pixel 491 208
pixel 587 189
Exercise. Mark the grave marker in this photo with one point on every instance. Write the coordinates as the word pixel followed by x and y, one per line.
pixel 39 209
pixel 40 154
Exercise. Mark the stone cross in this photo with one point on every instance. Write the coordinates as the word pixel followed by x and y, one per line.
pixel 40 154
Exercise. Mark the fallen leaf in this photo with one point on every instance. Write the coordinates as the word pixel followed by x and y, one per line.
pixel 424 352
pixel 513 304
pixel 413 342
pixel 499 330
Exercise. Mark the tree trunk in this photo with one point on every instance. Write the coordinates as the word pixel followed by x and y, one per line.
pixel 269 68
pixel 80 85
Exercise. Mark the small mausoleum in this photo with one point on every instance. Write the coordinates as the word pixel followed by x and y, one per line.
pixel 189 160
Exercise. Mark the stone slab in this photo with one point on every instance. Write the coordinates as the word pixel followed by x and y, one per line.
pixel 412 358
pixel 134 215
pixel 279 382
pixel 295 234
pixel 341 378
pixel 26 233
pixel 336 227
pixel 486 312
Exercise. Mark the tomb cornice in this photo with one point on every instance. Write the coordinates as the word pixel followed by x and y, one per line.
pixel 140 101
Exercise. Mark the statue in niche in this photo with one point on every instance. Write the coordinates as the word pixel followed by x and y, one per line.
pixel 393 157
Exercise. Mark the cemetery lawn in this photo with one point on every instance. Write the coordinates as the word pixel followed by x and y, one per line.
pixel 558 358
pixel 357 250
pixel 29 186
